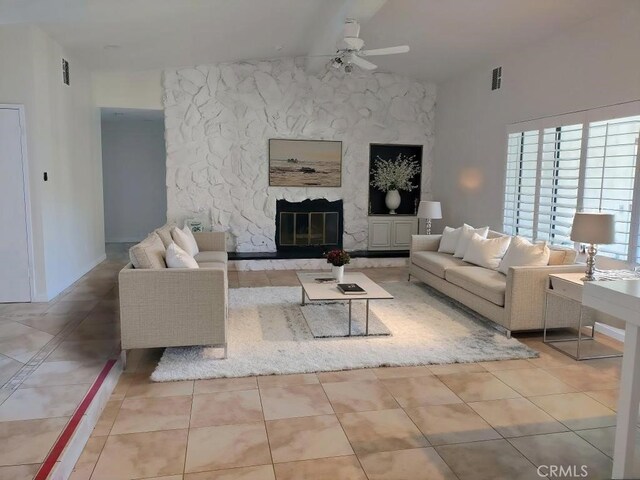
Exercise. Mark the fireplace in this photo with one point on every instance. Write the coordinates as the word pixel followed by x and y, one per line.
pixel 311 226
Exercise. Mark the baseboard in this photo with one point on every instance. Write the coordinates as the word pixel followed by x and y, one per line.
pixel 86 269
pixel 609 331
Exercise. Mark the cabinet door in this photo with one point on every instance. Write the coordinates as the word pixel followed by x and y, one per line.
pixel 379 234
pixel 402 231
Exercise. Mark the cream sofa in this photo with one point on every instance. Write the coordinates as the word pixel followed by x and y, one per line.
pixel 170 307
pixel 515 301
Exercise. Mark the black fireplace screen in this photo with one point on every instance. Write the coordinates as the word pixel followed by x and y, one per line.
pixel 311 225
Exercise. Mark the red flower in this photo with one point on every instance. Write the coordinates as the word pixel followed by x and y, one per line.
pixel 338 258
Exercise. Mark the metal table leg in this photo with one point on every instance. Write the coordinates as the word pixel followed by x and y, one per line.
pixel 366 332
pixel 349 318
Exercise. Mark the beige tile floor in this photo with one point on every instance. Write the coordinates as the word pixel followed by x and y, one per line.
pixel 50 354
pixel 493 420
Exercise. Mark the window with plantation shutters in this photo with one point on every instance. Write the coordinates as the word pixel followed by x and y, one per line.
pixel 610 180
pixel 520 189
pixel 585 161
pixel 559 175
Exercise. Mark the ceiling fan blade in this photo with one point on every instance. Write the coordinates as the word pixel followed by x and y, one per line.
pixel 385 51
pixel 362 63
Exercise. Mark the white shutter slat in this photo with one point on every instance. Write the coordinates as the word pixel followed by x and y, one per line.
pixel 560 176
pixel 610 177
pixel 520 184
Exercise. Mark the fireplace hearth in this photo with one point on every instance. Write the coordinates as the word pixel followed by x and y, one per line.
pixel 310 226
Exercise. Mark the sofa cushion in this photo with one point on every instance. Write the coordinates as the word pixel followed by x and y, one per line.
pixel 211 257
pixel 523 253
pixel 215 265
pixel 435 262
pixel 185 240
pixel 164 232
pixel 562 256
pixel 465 236
pixel 178 258
pixel 149 253
pixel 485 283
pixel 449 239
pixel 486 252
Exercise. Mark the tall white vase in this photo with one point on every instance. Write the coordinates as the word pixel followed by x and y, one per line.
pixel 338 273
pixel 392 200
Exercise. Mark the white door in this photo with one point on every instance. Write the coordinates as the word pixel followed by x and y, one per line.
pixel 14 249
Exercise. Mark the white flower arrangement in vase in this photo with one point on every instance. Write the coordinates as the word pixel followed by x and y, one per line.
pixel 392 175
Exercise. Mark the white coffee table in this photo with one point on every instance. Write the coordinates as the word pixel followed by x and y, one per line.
pixel 315 291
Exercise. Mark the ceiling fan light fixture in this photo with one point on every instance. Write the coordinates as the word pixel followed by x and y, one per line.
pixel 337 63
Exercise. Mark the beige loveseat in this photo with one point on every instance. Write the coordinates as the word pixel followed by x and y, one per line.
pixel 169 307
pixel 515 301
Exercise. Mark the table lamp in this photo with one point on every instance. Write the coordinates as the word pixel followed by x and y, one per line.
pixel 594 229
pixel 429 210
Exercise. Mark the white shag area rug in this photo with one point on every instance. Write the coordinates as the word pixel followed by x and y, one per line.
pixel 268 335
pixel 331 319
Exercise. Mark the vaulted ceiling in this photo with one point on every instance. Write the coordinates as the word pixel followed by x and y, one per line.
pixel 446 36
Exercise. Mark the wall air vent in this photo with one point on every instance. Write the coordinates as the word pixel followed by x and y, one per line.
pixel 65 72
pixel 496 78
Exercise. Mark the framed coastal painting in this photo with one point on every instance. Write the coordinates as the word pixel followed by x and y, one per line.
pixel 305 163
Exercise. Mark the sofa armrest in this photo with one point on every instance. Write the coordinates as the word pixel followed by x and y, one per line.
pixel 172 306
pixel 211 241
pixel 425 243
pixel 525 294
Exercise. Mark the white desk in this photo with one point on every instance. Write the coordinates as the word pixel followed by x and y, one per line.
pixel 621 299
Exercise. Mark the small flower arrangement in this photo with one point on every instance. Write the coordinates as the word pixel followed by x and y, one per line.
pixel 395 174
pixel 338 258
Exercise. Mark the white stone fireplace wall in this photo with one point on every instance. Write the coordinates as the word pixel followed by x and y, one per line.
pixel 219 119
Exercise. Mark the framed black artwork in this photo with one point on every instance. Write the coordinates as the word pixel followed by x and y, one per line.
pixel 396 168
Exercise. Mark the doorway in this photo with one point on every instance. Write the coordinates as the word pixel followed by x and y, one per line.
pixel 134 176
pixel 15 241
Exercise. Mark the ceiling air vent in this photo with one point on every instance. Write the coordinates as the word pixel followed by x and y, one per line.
pixel 496 78
pixel 65 72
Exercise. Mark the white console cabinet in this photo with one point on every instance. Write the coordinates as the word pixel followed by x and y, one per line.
pixel 390 232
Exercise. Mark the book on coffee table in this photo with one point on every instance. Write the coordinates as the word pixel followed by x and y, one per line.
pixel 351 289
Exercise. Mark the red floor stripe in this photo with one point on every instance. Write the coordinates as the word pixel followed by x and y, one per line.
pixel 69 430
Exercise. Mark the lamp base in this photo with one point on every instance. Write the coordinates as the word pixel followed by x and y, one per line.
pixel 591 264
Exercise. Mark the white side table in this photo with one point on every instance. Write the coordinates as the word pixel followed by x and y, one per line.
pixel 564 308
pixel 621 299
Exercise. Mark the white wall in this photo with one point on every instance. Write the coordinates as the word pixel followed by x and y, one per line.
pixel 63 140
pixel 595 64
pixel 140 89
pixel 219 120
pixel 134 174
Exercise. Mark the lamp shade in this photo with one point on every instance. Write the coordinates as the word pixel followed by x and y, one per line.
pixel 596 228
pixel 429 209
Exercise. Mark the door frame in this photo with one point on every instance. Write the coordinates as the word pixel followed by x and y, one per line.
pixel 27 191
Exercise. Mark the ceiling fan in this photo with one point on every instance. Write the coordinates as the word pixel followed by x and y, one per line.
pixel 350 50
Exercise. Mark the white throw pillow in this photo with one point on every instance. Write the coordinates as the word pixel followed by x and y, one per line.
pixel 465 236
pixel 486 252
pixel 178 258
pixel 522 252
pixel 185 240
pixel 449 239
